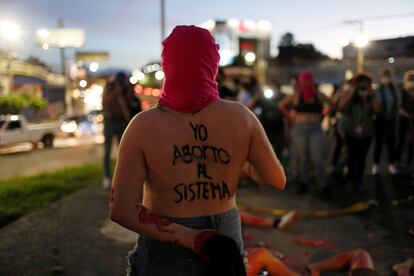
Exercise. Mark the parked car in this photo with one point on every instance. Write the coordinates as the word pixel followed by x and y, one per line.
pixel 80 124
pixel 15 129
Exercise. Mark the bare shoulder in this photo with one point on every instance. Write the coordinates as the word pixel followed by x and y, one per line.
pixel 143 121
pixel 236 108
pixel 235 113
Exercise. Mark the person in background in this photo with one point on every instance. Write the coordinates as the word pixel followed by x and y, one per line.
pixel 116 112
pixel 289 114
pixel 133 101
pixel 267 110
pixel 358 107
pixel 337 124
pixel 307 135
pixel 386 122
pixel 249 93
pixel 226 86
pixel 406 118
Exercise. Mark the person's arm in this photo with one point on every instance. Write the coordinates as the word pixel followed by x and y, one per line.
pixel 263 159
pixel 283 103
pixel 251 172
pixel 375 103
pixel 110 94
pixel 125 200
pixel 323 98
pixel 345 99
pixel 253 101
pixel 376 106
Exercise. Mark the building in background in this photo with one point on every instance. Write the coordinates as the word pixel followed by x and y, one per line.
pixel 37 81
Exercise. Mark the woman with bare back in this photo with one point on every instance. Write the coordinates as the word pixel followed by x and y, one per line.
pixel 179 164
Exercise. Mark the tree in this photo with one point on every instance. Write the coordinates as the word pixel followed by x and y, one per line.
pixel 14 104
pixel 287 40
pixel 36 61
pixel 291 52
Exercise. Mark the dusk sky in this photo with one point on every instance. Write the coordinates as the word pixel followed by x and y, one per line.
pixel 130 29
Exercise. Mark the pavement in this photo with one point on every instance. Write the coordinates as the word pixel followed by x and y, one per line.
pixel 73 236
pixel 23 160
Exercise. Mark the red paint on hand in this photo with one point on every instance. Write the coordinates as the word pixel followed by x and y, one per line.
pixel 147 217
pixel 201 239
pixel 314 243
pixel 177 242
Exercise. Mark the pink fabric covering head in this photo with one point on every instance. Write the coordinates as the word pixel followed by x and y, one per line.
pixel 190 63
pixel 307 87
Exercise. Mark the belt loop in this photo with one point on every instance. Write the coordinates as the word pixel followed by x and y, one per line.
pixel 213 222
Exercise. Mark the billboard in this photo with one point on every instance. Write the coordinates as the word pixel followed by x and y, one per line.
pixel 237 37
pixel 61 38
pixel 94 56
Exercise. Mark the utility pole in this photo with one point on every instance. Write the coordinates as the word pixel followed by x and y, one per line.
pixel 359 23
pixel 162 19
pixel 68 96
pixel 360 59
pixel 10 84
pixel 61 25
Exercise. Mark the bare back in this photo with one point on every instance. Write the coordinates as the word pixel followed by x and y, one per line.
pixel 193 161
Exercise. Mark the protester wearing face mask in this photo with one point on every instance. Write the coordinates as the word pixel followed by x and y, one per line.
pixel 386 122
pixel 338 128
pixel 307 135
pixel 406 117
pixel 358 107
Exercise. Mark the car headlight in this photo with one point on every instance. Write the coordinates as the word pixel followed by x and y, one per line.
pixel 69 127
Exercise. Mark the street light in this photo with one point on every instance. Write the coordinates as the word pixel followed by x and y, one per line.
pixel 361 42
pixel 10 32
pixel 159 75
pixel 268 93
pixel 83 83
pixel 94 66
pixel 250 57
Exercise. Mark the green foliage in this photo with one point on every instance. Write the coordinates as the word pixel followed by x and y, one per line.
pixel 14 104
pixel 34 103
pixel 11 104
pixel 21 196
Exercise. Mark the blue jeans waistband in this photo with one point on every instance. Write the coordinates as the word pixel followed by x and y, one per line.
pixel 227 223
pixel 152 255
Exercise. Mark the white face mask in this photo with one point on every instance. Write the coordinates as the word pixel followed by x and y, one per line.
pixel 385 80
pixel 347 87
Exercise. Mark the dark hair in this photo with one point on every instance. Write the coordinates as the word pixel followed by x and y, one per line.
pixel 120 76
pixel 360 77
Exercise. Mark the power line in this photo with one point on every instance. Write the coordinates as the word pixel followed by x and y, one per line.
pixel 355 21
pixel 379 17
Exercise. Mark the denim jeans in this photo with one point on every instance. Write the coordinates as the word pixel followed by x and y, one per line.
pixel 310 145
pixel 151 258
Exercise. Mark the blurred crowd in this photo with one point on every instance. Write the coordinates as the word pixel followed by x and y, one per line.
pixel 318 135
pixel 314 134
